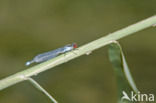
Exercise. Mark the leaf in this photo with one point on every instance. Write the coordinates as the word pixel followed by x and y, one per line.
pixel 125 82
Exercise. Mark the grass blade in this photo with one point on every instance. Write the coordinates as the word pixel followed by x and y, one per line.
pixel 40 88
pixel 125 81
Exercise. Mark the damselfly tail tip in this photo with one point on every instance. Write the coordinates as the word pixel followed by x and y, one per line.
pixel 29 62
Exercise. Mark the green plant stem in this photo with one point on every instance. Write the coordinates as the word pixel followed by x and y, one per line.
pixel 40 88
pixel 85 49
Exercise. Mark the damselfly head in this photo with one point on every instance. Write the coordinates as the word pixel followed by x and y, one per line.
pixel 74 45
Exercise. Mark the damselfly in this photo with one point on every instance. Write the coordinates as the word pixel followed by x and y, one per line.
pixel 51 54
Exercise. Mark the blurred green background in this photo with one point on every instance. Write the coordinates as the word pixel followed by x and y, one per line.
pixel 29 27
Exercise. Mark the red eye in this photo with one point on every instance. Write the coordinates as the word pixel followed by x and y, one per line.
pixel 74 45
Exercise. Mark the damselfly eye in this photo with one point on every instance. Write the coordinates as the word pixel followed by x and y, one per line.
pixel 74 45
